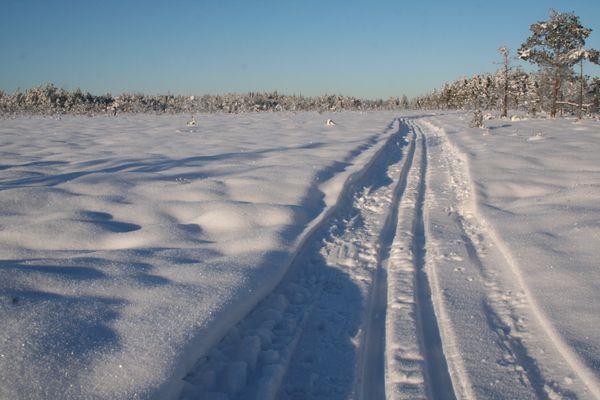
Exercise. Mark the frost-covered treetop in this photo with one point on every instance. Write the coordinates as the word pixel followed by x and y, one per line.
pixel 556 42
pixel 577 55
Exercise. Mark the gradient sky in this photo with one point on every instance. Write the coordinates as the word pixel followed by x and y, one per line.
pixel 369 49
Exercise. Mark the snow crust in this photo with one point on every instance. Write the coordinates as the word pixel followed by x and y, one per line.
pixel 129 245
pixel 143 258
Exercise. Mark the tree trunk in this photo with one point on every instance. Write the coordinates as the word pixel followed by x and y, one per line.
pixel 581 83
pixel 555 90
pixel 505 102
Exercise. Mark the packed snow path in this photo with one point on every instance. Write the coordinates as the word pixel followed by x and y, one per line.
pixel 403 292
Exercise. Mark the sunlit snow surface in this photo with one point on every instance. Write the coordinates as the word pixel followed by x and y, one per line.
pixel 129 244
pixel 538 187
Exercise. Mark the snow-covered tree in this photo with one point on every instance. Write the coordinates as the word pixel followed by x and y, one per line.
pixel 523 89
pixel 505 84
pixel 404 102
pixel 591 56
pixel 477 121
pixel 594 92
pixel 557 45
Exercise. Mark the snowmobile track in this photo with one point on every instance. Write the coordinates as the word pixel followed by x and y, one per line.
pixel 371 366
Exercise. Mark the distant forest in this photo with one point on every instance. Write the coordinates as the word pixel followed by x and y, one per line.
pixel 558 87
pixel 527 92
pixel 50 100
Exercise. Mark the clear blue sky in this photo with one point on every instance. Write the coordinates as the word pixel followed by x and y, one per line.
pixel 369 49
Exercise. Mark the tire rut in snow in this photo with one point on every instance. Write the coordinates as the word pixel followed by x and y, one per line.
pixel 304 339
pixel 415 361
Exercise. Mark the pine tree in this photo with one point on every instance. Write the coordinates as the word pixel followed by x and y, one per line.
pixel 556 44
pixel 595 94
pixel 506 68
pixel 591 56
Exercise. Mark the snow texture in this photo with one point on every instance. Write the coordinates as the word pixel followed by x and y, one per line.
pixel 526 198
pixel 129 245
pixel 268 256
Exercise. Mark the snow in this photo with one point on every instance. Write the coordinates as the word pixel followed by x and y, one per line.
pixel 277 256
pixel 130 244
pixel 523 204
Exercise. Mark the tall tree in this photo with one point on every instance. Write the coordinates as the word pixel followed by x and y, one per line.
pixel 591 56
pixel 506 68
pixel 556 44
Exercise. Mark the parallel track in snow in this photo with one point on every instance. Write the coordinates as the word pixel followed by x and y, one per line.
pixel 415 360
pixel 439 383
pixel 500 323
pixel 327 331
pixel 399 293
pixel 320 333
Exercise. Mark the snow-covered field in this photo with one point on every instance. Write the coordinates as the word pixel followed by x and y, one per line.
pixel 273 256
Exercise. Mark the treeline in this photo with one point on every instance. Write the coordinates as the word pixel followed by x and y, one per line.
pixel 528 92
pixel 51 100
pixel 557 47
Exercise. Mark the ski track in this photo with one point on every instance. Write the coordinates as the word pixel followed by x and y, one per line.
pixel 415 362
pixel 401 292
pixel 525 366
